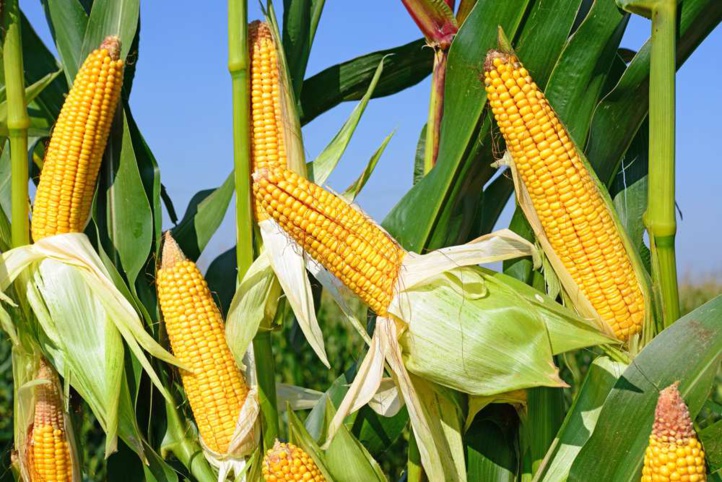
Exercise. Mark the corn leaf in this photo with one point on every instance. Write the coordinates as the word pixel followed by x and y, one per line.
pixel 68 21
pixel 463 106
pixel 300 20
pixel 490 444
pixel 203 216
pixel 404 66
pixel 580 73
pixel 619 115
pixel 111 17
pixel 711 438
pixel 580 420
pixel 31 92
pixel 689 351
pixel 321 167
pixel 221 277
pixel 300 437
pixel 354 189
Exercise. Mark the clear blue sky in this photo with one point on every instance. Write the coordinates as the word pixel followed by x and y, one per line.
pixel 182 102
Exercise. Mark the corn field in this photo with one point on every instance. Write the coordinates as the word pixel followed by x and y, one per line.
pixel 330 346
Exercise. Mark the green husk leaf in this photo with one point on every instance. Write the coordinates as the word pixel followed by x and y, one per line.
pixel 256 300
pixel 299 436
pixel 501 342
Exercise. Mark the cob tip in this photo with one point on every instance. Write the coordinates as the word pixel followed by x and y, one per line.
pixel 111 43
pixel 671 417
pixel 172 253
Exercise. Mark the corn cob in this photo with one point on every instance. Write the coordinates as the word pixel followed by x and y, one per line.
pixel 286 462
pixel 268 145
pixel 75 151
pixel 215 387
pixel 49 457
pixel 578 224
pixel 333 233
pixel 674 453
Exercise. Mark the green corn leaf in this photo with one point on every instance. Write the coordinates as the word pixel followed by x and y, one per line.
pixel 580 420
pixel 620 114
pixel 491 446
pixel 111 17
pixel 404 66
pixel 326 162
pixel 711 438
pixel 203 216
pixel 68 21
pixel 689 351
pixel 354 189
pixel 300 20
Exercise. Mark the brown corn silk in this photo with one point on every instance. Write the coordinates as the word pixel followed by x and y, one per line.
pixel 268 144
pixel 341 238
pixel 674 452
pixel 287 462
pixel 74 154
pixel 572 211
pixel 48 451
pixel 215 387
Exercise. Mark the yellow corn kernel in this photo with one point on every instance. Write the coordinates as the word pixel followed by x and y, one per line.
pixel 49 457
pixel 332 232
pixel 674 452
pixel 74 154
pixel 215 387
pixel 268 145
pixel 286 462
pixel 580 228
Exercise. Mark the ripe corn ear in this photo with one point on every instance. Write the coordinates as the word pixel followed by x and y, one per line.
pixel 573 213
pixel 74 154
pixel 268 144
pixel 49 457
pixel 286 462
pixel 215 387
pixel 341 238
pixel 674 452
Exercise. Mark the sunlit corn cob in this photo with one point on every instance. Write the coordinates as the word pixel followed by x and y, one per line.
pixel 286 462
pixel 49 458
pixel 74 154
pixel 215 387
pixel 674 453
pixel 570 207
pixel 333 233
pixel 268 145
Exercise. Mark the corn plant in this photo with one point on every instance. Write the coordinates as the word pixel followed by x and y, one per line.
pixel 571 363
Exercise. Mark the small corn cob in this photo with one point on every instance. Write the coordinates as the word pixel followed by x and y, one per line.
pixel 333 233
pixel 578 224
pixel 674 453
pixel 49 457
pixel 74 154
pixel 268 145
pixel 286 462
pixel 215 387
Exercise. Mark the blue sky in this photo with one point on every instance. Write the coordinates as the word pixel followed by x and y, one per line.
pixel 182 102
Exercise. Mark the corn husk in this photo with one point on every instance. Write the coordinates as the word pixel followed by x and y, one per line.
pixel 25 371
pixel 83 320
pixel 247 434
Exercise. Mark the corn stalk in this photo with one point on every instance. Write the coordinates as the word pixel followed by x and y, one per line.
pixel 238 66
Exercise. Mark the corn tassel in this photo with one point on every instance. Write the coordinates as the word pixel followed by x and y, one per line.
pixel 674 452
pixel 268 144
pixel 215 387
pixel 341 238
pixel 286 462
pixel 578 224
pixel 75 151
pixel 49 457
